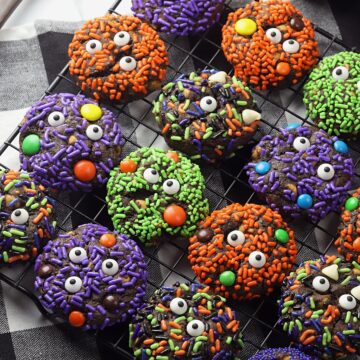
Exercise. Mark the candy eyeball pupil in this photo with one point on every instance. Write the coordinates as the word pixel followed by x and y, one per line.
pixel 303 141
pixel 169 183
pixel 93 45
pixel 128 60
pixel 77 252
pixel 17 213
pixel 291 42
pixel 273 34
pixel 153 171
pixel 72 281
pixel 258 257
pixel 209 101
pixel 181 303
pixel 121 35
pixel 326 169
pixel 109 265
pixel 234 237
pixel 195 326
pixel 350 298
pixel 56 117
pixel 322 281
pixel 338 72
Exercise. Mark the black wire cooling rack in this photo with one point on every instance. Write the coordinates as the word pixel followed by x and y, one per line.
pixel 225 183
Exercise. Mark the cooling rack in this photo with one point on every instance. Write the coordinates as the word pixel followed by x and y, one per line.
pixel 225 183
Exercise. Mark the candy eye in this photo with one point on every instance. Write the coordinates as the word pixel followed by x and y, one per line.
pixel 122 38
pixel 274 35
pixel 291 46
pixel 208 104
pixel 77 255
pixel 73 284
pixel 325 172
pixel 94 132
pixel 195 328
pixel 151 176
pixel 235 238
pixel 93 46
pixel 110 267
pixel 127 63
pixel 347 302
pixel 19 216
pixel 171 186
pixel 340 73
pixel 321 284
pixel 257 259
pixel 301 143
pixel 178 306
pixel 56 118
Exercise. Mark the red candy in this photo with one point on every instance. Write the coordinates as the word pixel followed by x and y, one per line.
pixel 77 319
pixel 85 170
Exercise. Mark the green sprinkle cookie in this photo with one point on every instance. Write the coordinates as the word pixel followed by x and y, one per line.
pixel 332 94
pixel 154 195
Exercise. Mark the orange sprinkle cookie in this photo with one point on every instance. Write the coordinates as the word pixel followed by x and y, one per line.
pixel 118 58
pixel 269 43
pixel 243 251
pixel 348 241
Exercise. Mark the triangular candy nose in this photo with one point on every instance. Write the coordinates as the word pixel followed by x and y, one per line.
pixel 355 292
pixel 331 272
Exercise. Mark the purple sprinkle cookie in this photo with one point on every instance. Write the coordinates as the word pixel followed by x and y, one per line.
pixel 179 17
pixel 280 354
pixel 92 277
pixel 301 171
pixel 68 142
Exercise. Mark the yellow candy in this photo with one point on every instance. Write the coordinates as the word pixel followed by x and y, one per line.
pixel 245 27
pixel 91 112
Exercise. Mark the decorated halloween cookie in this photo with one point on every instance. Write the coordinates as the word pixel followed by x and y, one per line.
pixel 280 354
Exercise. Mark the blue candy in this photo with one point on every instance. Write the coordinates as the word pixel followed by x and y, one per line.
pixel 304 201
pixel 262 167
pixel 341 147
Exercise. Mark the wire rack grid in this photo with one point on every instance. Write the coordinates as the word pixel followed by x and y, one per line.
pixel 225 183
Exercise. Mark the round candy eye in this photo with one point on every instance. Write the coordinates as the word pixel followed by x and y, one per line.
pixel 151 176
pixel 171 186
pixel 19 216
pixel 110 267
pixel 208 104
pixel 94 132
pixel 93 46
pixel 56 118
pixel 195 328
pixel 178 306
pixel 73 284
pixel 77 255
pixel 274 35
pixel 321 284
pixel 347 302
pixel 325 172
pixel 257 259
pixel 235 238
pixel 301 143
pixel 340 73
pixel 122 38
pixel 127 63
pixel 291 46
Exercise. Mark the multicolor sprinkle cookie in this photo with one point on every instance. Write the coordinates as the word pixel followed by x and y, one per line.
pixel 118 58
pixel 280 354
pixel 186 322
pixel 92 277
pixel 348 241
pixel 269 43
pixel 332 94
pixel 68 142
pixel 320 307
pixel 181 17
pixel 207 115
pixel 243 252
pixel 154 195
pixel 301 171
pixel 27 217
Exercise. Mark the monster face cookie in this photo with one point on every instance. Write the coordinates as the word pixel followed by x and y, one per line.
pixel 92 277
pixel 242 252
pixel 68 142
pixel 207 115
pixel 186 322
pixel 180 17
pixel 269 43
pixel 118 58
pixel 27 218
pixel 280 354
pixel 348 241
pixel 301 171
pixel 320 307
pixel 332 94
pixel 154 195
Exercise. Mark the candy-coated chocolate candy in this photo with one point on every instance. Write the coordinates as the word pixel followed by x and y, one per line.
pixel 341 147
pixel 108 240
pixel 352 203
pixel 175 215
pixel 304 201
pixel 293 126
pixel 245 27
pixel 262 168
pixel 85 170
pixel 205 235
pixel 356 244
pixel 173 155
pixel 91 112
pixel 283 68
pixel 77 318
pixel 128 166
pixel 31 145
pixel 45 270
pixel 227 278
pixel 110 302
pixel 282 236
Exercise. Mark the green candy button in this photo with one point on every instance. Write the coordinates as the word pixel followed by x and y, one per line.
pixel 352 203
pixel 227 278
pixel 31 145
pixel 281 236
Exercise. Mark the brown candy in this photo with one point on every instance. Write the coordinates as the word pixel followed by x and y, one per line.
pixel 205 235
pixel 110 302
pixel 45 270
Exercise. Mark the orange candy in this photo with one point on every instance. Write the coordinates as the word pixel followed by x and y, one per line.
pixel 128 166
pixel 108 240
pixel 174 215
pixel 356 244
pixel 85 170
pixel 77 319
pixel 283 68
pixel 173 155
